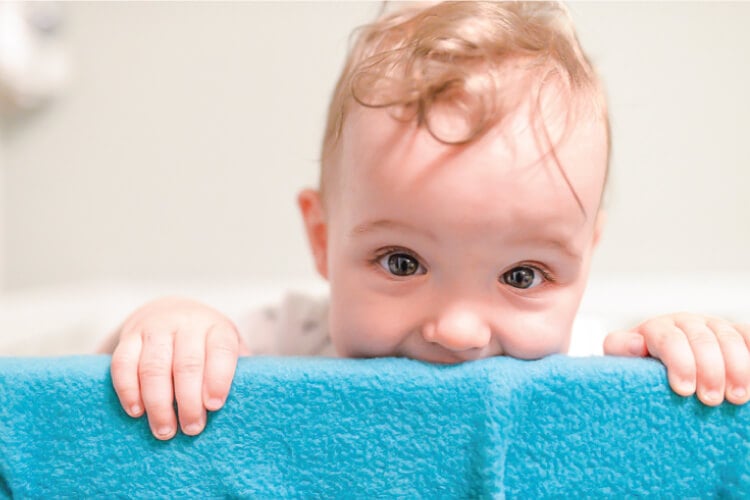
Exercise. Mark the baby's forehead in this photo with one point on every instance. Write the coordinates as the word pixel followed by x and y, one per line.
pixel 527 143
pixel 541 123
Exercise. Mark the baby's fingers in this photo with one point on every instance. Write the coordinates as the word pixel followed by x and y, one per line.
pixel 625 343
pixel 709 362
pixel 155 372
pixel 189 361
pixel 744 330
pixel 222 349
pixel 669 344
pixel 124 369
pixel 736 359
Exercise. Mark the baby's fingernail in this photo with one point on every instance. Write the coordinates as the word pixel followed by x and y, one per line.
pixel 193 429
pixel 135 410
pixel 686 387
pixel 635 346
pixel 739 392
pixel 712 396
pixel 215 403
pixel 164 431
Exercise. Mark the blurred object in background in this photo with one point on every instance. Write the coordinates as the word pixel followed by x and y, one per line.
pixel 33 63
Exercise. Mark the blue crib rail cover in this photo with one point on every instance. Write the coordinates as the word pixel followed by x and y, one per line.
pixel 336 428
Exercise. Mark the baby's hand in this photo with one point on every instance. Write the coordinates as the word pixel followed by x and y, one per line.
pixel 699 351
pixel 175 349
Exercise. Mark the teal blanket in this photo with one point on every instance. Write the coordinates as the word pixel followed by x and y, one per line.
pixel 331 428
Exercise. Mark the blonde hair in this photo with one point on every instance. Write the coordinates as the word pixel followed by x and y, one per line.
pixel 453 53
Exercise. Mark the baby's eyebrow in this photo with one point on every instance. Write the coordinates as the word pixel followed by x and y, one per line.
pixel 554 243
pixel 560 245
pixel 384 224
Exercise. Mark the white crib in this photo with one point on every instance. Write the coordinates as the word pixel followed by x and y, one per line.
pixel 74 319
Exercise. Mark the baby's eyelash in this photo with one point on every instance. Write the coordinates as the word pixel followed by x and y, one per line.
pixel 546 274
pixel 382 252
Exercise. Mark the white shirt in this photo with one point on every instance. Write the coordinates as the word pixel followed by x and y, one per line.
pixel 298 326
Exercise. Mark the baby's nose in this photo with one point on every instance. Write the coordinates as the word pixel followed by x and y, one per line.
pixel 458 330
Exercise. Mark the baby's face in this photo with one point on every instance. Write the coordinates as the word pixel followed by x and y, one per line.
pixel 452 253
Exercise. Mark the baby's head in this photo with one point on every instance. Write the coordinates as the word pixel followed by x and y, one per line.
pixel 463 166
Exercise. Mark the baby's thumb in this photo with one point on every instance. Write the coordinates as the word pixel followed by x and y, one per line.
pixel 627 343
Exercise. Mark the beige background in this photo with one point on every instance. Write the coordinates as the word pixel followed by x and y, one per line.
pixel 176 152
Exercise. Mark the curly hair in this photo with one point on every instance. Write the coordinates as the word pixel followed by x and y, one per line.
pixel 460 54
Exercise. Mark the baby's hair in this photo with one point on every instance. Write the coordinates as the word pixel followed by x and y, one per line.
pixel 458 54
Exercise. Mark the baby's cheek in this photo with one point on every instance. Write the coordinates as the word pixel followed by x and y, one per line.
pixel 537 337
pixel 363 331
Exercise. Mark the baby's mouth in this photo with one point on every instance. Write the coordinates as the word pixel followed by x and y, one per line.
pixel 446 357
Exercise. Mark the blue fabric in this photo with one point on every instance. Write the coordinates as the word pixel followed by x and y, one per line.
pixel 316 427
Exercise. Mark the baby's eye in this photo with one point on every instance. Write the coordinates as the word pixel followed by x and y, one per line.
pixel 522 277
pixel 401 264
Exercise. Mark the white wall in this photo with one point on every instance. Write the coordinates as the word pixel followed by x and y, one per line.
pixel 677 75
pixel 189 127
pixel 181 144
pixel 2 206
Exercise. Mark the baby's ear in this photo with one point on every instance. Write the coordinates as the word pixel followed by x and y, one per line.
pixel 310 205
pixel 601 219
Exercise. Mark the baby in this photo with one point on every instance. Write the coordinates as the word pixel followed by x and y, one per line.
pixel 463 165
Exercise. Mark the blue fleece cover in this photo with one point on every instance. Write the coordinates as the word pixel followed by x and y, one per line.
pixel 334 428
